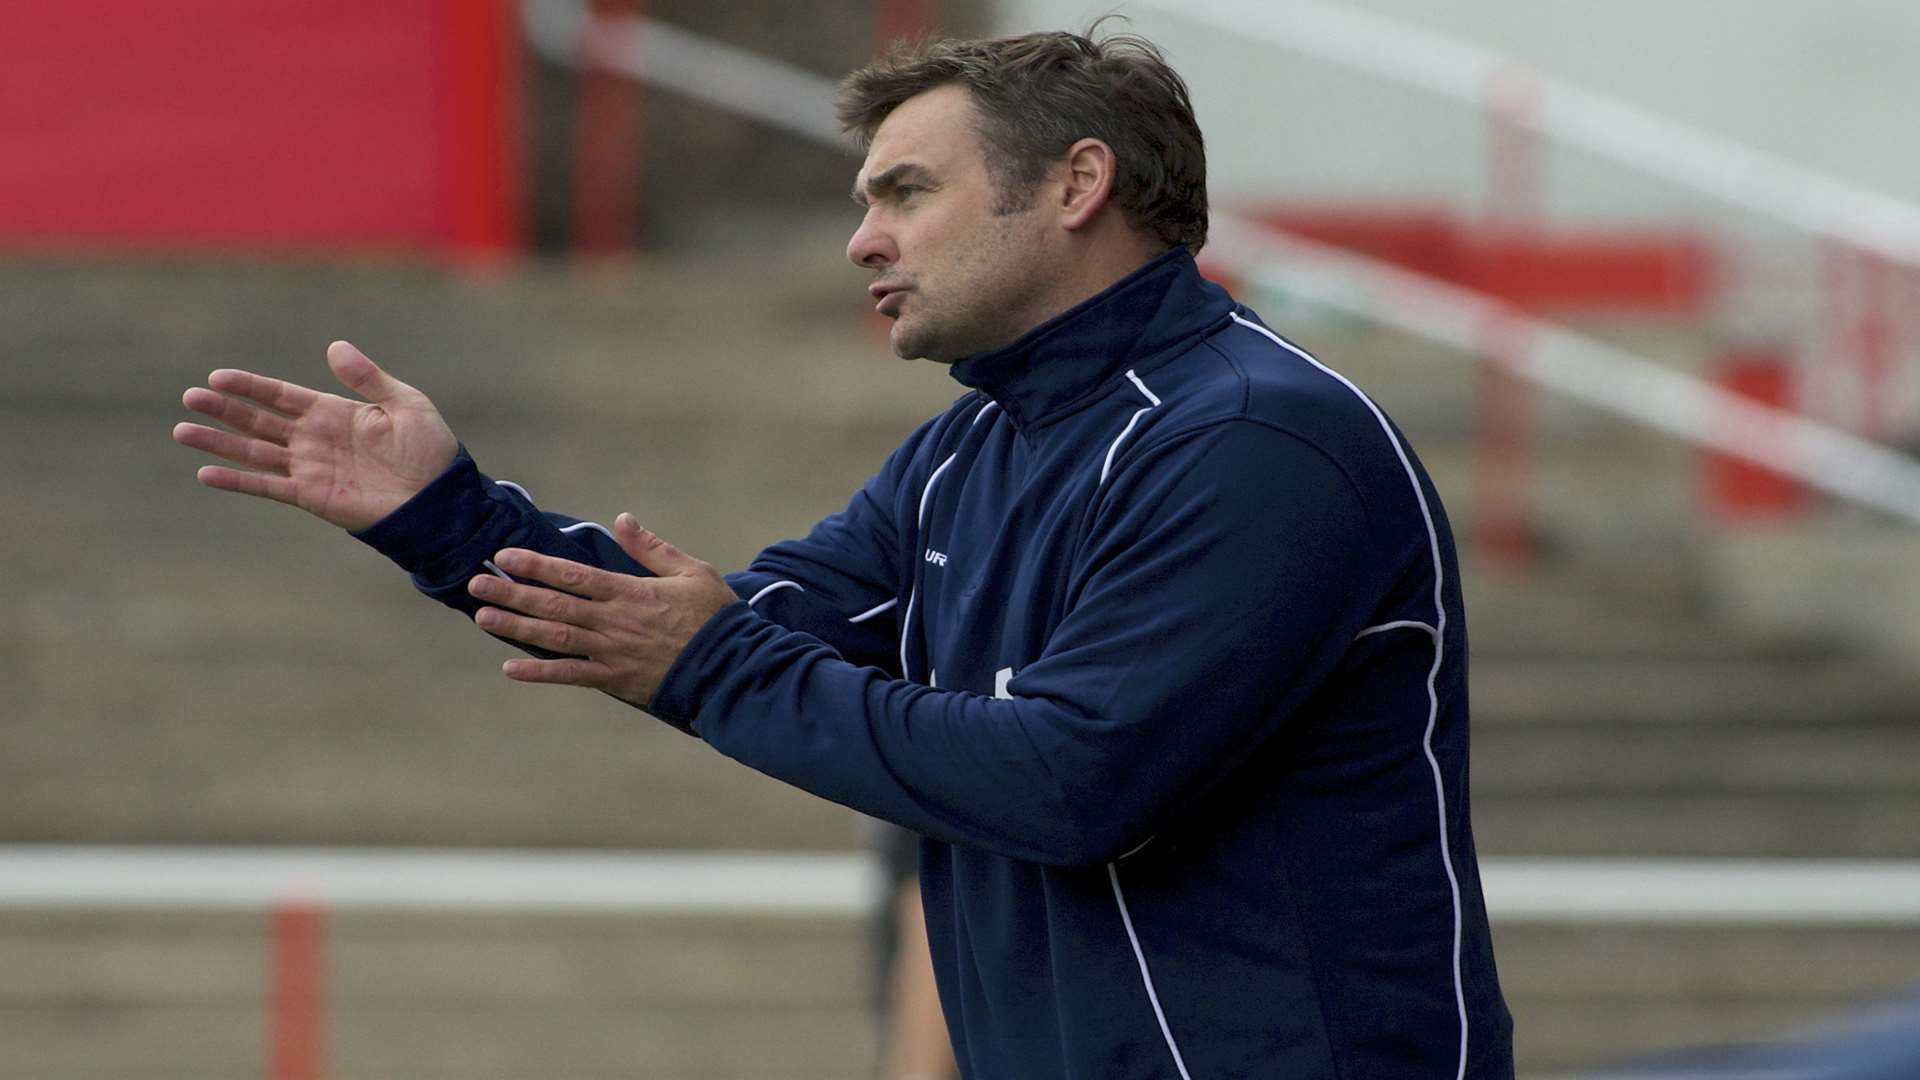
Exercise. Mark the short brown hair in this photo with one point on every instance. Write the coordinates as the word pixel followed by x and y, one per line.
pixel 1038 94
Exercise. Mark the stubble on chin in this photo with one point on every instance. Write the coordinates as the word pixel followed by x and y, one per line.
pixel 914 341
pixel 906 342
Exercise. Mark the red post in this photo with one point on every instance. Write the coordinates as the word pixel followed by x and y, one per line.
pixel 1514 172
pixel 1874 344
pixel 1737 490
pixel 1835 318
pixel 1836 368
pixel 1503 525
pixel 1503 528
pixel 297 1034
pixel 481 156
pixel 607 140
pixel 1904 351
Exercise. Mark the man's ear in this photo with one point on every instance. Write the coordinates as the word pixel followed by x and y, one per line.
pixel 1087 182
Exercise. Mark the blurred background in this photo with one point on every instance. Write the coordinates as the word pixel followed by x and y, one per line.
pixel 1641 281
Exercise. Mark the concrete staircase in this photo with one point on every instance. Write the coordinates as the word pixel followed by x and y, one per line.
pixel 1627 705
pixel 187 667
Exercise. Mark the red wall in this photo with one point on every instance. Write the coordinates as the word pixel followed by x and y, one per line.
pixel 253 124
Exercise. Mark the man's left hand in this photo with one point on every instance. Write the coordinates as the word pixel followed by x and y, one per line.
pixel 626 631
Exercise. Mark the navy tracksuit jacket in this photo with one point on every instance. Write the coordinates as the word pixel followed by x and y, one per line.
pixel 1157 636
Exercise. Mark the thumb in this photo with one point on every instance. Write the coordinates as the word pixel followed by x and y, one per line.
pixel 652 552
pixel 361 375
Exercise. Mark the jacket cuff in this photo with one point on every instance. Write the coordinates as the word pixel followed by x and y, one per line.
pixel 700 664
pixel 436 520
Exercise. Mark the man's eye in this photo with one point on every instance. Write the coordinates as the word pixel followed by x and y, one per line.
pixel 905 191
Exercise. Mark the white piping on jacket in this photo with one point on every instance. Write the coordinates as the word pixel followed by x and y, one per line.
pixel 1128 430
pixel 1400 624
pixel 1146 977
pixel 920 521
pixel 877 609
pixel 594 525
pixel 1437 630
pixel 1113 875
pixel 575 527
pixel 775 587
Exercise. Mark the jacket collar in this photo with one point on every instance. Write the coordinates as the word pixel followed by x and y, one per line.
pixel 1064 362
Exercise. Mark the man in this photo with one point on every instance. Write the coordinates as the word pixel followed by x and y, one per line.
pixel 1156 634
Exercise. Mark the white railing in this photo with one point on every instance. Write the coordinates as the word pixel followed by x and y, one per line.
pixel 299 889
pixel 848 884
pixel 1602 375
pixel 660 882
pixel 700 67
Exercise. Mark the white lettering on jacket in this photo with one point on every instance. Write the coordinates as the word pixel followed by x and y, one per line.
pixel 936 558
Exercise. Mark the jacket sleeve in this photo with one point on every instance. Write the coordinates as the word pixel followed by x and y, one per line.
pixel 1222 575
pixel 836 583
pixel 449 531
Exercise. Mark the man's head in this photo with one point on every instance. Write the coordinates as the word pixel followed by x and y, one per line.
pixel 1007 180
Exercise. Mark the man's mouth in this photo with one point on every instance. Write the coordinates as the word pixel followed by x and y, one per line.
pixel 888 298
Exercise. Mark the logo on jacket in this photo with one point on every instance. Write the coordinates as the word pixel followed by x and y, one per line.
pixel 937 558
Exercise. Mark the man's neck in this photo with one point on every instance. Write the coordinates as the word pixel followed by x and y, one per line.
pixel 1096 267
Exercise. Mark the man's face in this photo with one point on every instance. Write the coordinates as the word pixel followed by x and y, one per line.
pixel 955 277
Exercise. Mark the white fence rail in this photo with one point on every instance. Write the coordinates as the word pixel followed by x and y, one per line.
pixel 1549 890
pixel 1579 366
pixel 702 68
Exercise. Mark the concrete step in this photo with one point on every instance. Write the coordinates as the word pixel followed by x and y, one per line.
pixel 687 334
pixel 1853 575
pixel 124 994
pixel 1696 823
pixel 1582 612
pixel 1586 996
pixel 1637 760
pixel 1732 692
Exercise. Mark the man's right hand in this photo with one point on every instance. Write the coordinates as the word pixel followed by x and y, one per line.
pixel 347 462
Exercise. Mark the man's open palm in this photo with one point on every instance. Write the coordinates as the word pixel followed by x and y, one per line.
pixel 347 462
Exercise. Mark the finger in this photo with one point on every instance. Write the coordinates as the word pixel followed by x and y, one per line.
pixel 531 600
pixel 361 375
pixel 552 636
pixel 576 578
pixel 263 485
pixel 239 415
pixel 563 672
pixel 278 394
pixel 240 449
pixel 652 552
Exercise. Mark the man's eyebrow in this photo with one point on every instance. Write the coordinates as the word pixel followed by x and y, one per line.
pixel 878 187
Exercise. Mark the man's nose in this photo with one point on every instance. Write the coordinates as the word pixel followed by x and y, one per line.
pixel 871 246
